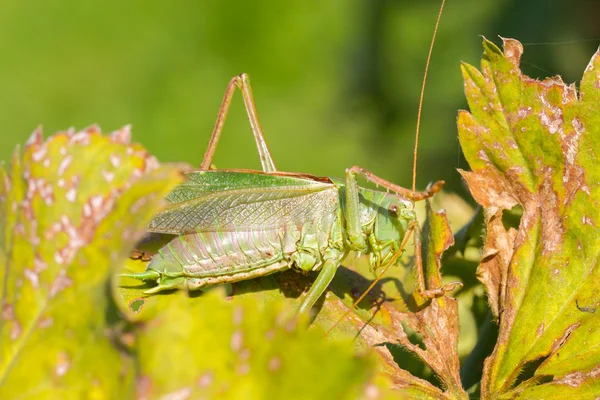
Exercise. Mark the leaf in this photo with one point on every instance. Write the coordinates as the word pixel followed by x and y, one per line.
pixel 71 208
pixel 374 323
pixel 436 319
pixel 128 293
pixel 280 288
pixel 440 316
pixel 243 349
pixel 535 144
pixel 429 333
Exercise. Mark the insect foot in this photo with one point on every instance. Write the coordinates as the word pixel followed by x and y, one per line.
pixel 441 291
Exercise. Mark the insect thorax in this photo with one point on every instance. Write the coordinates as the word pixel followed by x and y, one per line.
pixel 385 218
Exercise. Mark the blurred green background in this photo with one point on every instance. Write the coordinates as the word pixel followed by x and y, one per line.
pixel 336 82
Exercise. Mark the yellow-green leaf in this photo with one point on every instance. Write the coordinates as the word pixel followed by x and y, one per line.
pixel 216 348
pixel 71 208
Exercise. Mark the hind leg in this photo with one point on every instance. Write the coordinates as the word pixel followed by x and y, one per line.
pixel 241 82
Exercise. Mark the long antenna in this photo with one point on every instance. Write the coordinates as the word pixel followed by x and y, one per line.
pixel 437 24
pixel 414 182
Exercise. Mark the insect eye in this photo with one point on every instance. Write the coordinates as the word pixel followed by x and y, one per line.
pixel 394 209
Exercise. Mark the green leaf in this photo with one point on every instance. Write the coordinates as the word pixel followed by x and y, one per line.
pixel 71 208
pixel 215 348
pixel 535 144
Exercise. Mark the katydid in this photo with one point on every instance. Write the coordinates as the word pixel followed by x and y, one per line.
pixel 234 225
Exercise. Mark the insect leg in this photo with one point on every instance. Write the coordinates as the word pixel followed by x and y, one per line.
pixel 412 195
pixel 352 213
pixel 378 278
pixel 320 284
pixel 428 287
pixel 242 82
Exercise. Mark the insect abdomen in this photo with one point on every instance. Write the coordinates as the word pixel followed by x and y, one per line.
pixel 214 257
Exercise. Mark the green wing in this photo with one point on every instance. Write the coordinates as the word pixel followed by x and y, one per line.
pixel 225 200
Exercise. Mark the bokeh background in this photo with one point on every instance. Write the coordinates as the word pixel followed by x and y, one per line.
pixel 336 82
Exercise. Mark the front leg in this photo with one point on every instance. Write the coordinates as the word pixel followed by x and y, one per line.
pixel 356 237
pixel 320 284
pixel 428 289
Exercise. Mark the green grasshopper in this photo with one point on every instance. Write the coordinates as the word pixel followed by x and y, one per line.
pixel 234 225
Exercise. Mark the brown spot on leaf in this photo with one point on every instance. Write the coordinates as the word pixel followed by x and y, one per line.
pixel 81 138
pixel 540 330
pixel 513 50
pixel 244 354
pixel 238 315
pixel 115 160
pixel 552 120
pixel 71 195
pixel 64 164
pixel 35 138
pixel 143 387
pixel 552 226
pixel 45 322
pixel 290 325
pixel 578 378
pixel 61 282
pixel 108 176
pixel 574 174
pixel 243 369
pixel 62 364
pixel 274 364
pixel 39 264
pixel 39 154
pixel 32 277
pixel 100 206
pixel 205 380
pixel 236 341
pixel 270 334
pixel 559 342
pixel 7 312
pixel 52 231
pixel 371 391
pixel 181 394
pixel 122 135
pixel 489 188
pixel 15 329
pixel 524 112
